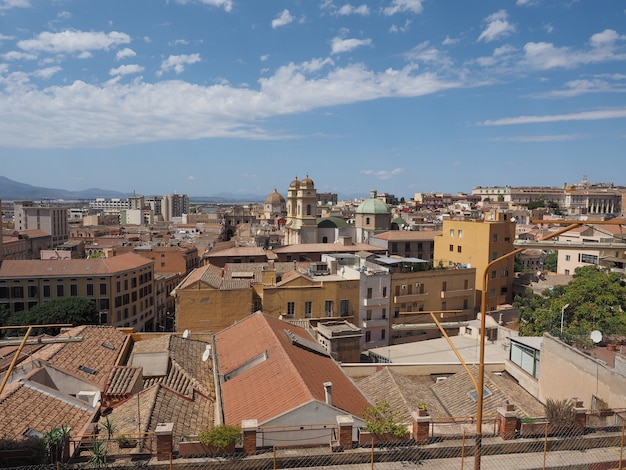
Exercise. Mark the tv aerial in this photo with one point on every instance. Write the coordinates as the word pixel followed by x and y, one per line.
pixel 596 336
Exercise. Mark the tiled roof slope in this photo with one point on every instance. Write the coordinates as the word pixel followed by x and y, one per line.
pixel 186 371
pixel 25 405
pixel 159 404
pixel 289 376
pixel 404 394
pixel 453 394
pixel 98 351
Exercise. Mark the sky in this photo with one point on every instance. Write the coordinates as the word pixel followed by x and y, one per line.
pixel 204 97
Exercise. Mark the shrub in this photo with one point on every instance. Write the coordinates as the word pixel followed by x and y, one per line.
pixel 381 419
pixel 220 436
pixel 560 412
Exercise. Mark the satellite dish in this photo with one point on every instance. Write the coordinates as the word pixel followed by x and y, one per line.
pixel 596 336
pixel 186 334
pixel 207 353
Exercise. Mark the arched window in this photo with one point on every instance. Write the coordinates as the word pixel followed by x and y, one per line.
pixel 325 240
pixel 308 209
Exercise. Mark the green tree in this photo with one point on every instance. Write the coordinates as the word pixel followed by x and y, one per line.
pixel 595 299
pixel 550 264
pixel 72 310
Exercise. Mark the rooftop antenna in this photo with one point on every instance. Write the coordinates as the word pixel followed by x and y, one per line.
pixel 207 353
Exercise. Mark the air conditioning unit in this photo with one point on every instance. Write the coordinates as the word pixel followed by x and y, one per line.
pixel 403 286
pixel 417 284
pixel 441 379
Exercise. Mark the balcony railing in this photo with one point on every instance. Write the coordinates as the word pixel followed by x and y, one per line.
pixel 406 298
pixel 451 294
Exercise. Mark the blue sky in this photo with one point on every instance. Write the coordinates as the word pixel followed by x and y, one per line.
pixel 210 96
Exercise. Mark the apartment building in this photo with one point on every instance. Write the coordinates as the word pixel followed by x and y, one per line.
pixel 49 219
pixel 475 243
pixel 122 286
pixel 174 205
pixel 407 244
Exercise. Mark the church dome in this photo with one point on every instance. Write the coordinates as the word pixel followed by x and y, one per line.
pixel 373 205
pixel 275 198
pixel 295 183
pixel 307 183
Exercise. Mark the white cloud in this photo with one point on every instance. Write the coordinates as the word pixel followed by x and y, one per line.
pixel 191 177
pixel 540 138
pixel 178 62
pixel 71 115
pixel 340 45
pixel 348 9
pixel 73 41
pixel 403 6
pixel 585 86
pixel 526 3
pixel 616 113
pixel 7 4
pixel 497 27
pixel 282 19
pixel 384 174
pixel 227 5
pixel 47 72
pixel 17 55
pixel 424 52
pixel 124 53
pixel 448 41
pixel 264 57
pixel 400 29
pixel 126 69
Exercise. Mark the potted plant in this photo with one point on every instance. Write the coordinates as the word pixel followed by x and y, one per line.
pixel 381 424
pixel 125 442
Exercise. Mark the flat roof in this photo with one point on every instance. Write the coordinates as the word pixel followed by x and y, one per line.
pixel 438 351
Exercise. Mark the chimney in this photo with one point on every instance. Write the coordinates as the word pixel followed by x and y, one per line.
pixel 328 393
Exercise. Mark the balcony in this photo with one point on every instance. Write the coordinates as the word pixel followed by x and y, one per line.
pixel 375 302
pixel 406 298
pixel 377 323
pixel 452 294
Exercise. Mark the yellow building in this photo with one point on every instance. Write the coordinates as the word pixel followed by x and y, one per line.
pixel 212 298
pixel 475 244
pixel 448 292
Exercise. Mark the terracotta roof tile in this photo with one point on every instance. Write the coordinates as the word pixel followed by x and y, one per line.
pixel 26 405
pixel 280 375
pixel 16 269
pixel 98 352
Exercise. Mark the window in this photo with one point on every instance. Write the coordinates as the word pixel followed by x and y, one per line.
pixel 567 272
pixel 494 255
pixel 32 291
pixel 382 334
pixel 451 247
pixel 396 312
pixel 494 274
pixel 451 233
pixel 444 306
pixel 103 289
pixel 46 291
pixel 590 259
pixel 568 258
pixel 118 287
pixel 495 238
pixel 367 221
pixel 460 233
pixel 328 307
pixel 17 292
pixel 73 290
pixel 368 336
pixel 466 284
pixel 90 290
pixel 458 249
pixel 368 315
pixel 291 308
pixel 104 304
pixel 465 304
pixel 308 309
pixel 503 290
pixel 369 292
pixel 60 290
pixel 385 292
pixel 444 286
pixel 384 313
pixel 492 293
pixel 345 307
pixel 162 264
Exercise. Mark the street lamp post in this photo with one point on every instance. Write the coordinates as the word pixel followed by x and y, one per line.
pixel 563 317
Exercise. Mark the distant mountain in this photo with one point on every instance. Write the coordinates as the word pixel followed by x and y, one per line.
pixel 13 191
